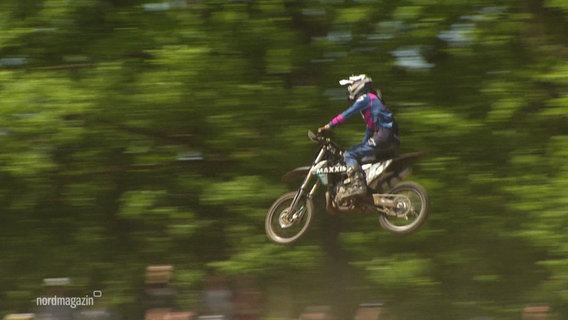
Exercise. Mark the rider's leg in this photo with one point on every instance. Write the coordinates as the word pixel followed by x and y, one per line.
pixel 358 186
pixel 386 141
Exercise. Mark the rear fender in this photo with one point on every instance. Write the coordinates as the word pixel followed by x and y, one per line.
pixel 399 168
pixel 296 174
pixel 403 162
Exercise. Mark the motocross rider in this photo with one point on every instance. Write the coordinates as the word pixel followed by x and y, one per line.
pixel 381 135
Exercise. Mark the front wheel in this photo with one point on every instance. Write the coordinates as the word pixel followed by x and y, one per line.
pixel 412 209
pixel 284 226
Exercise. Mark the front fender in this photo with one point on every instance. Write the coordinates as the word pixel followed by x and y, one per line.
pixel 295 174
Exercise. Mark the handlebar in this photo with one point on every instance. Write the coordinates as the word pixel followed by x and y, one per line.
pixel 321 137
pixel 317 137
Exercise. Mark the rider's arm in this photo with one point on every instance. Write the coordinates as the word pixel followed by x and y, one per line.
pixel 357 107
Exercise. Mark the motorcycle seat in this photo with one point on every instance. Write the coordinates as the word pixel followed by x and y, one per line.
pixel 381 156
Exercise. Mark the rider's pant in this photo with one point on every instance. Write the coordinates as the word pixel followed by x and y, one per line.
pixel 357 152
pixel 384 142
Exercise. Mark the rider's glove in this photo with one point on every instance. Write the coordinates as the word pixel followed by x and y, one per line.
pixel 324 128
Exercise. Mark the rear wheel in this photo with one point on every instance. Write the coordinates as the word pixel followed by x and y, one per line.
pixel 284 226
pixel 411 209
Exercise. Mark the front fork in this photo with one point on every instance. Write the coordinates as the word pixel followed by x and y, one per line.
pixel 305 184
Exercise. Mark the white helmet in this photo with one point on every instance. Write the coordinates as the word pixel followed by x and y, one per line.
pixel 358 85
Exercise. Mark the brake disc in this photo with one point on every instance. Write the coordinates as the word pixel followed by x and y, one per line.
pixel 286 220
pixel 402 206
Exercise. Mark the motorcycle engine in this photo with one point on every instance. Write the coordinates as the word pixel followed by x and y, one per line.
pixel 340 201
pixel 340 190
pixel 332 203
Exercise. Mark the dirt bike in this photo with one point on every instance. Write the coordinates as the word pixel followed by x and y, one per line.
pixel 402 206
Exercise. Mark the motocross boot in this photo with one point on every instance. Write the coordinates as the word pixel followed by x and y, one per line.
pixel 357 186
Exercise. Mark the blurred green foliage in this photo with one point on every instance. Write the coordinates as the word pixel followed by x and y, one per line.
pixel 137 133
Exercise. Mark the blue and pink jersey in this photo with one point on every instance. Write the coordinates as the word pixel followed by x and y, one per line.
pixel 375 114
